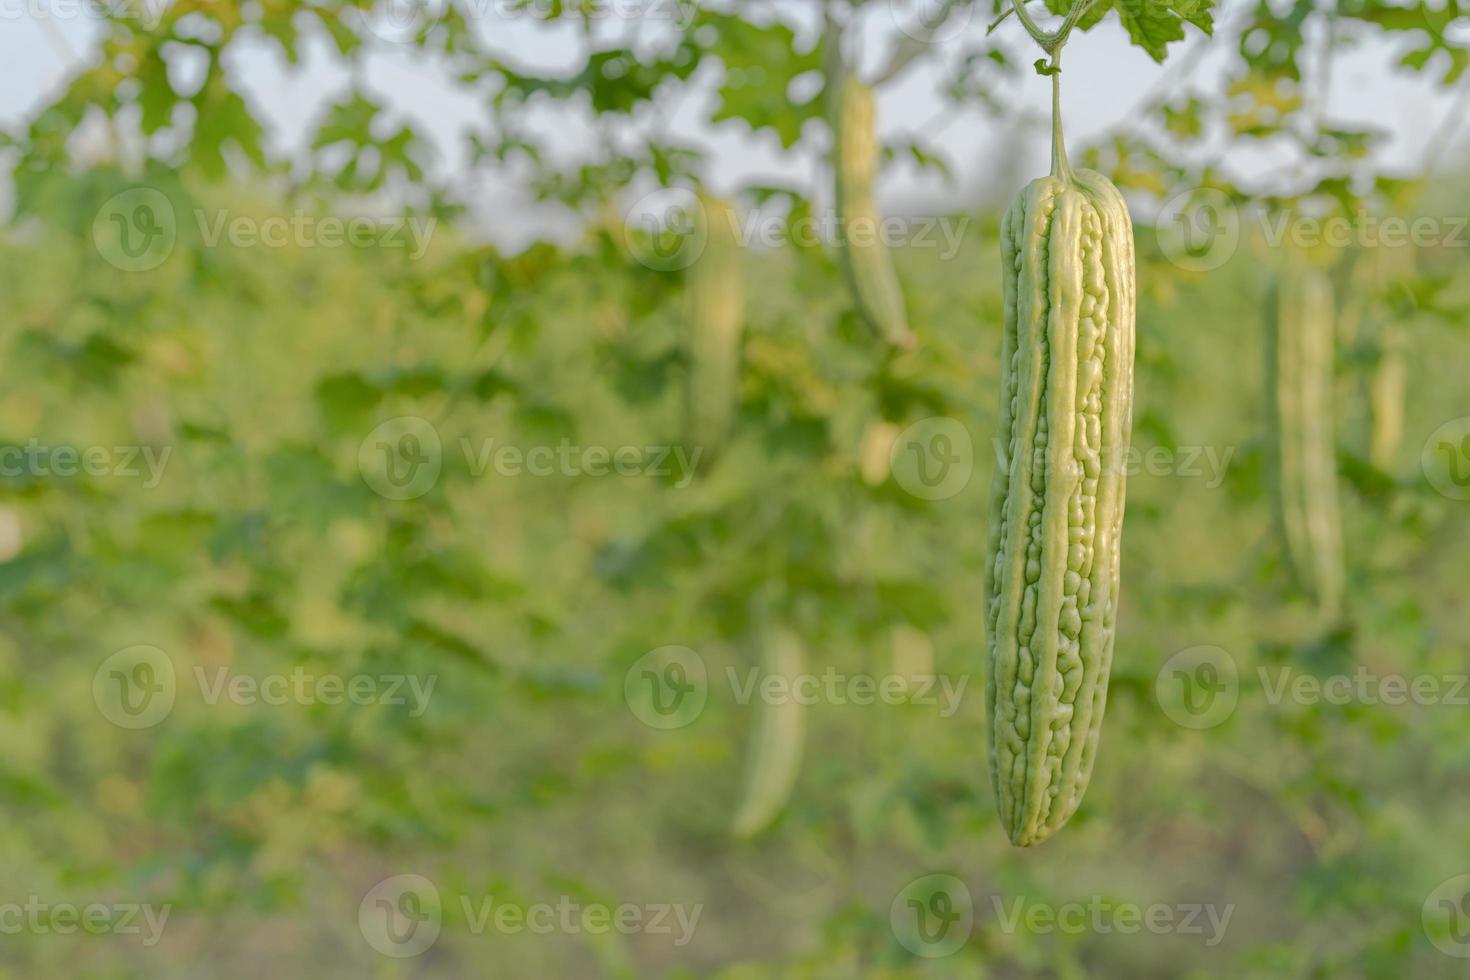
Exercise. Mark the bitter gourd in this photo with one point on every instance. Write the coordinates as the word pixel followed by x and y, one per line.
pixel 866 262
pixel 1056 516
pixel 716 298
pixel 1386 398
pixel 1300 319
pixel 777 743
pixel 876 452
pixel 1392 271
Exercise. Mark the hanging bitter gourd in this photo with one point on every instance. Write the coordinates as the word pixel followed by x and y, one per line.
pixel 716 298
pixel 1057 498
pixel 876 452
pixel 1386 398
pixel 866 262
pixel 776 745
pixel 1300 321
pixel 1392 271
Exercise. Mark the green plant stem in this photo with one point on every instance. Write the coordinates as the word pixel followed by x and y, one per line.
pixel 1052 43
pixel 1060 167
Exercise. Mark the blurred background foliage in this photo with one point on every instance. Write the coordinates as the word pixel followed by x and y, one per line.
pixel 264 548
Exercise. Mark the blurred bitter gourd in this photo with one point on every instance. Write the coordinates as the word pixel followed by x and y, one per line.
pixel 866 263
pixel 1300 321
pixel 776 745
pixel 1386 398
pixel 1057 498
pixel 716 298
pixel 1392 272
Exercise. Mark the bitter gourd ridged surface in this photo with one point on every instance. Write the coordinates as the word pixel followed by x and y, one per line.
pixel 1300 319
pixel 865 259
pixel 1058 493
pixel 716 297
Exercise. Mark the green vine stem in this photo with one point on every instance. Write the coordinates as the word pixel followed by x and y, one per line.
pixel 1060 167
pixel 1051 42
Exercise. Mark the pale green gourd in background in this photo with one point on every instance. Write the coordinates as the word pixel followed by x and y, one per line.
pixel 866 262
pixel 715 286
pixel 1299 371
pixel 776 744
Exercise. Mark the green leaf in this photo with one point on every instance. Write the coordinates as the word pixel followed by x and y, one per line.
pixel 761 63
pixel 1155 24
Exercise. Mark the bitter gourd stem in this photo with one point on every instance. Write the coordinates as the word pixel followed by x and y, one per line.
pixel 1060 167
pixel 1052 42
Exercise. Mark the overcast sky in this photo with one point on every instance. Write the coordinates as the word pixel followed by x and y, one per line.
pixel 41 41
